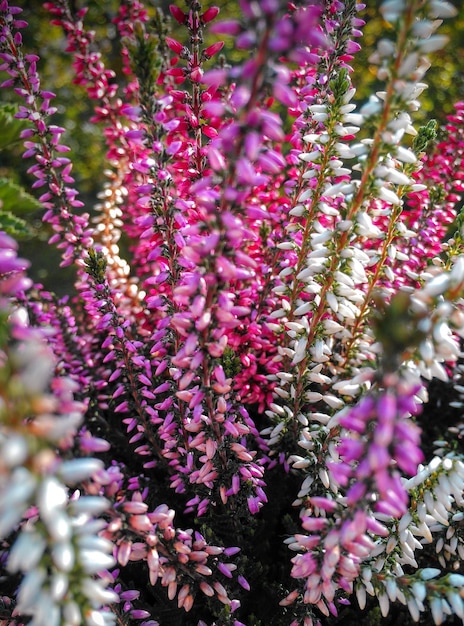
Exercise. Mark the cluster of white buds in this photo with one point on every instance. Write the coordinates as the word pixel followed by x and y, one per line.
pixel 434 516
pixel 403 68
pixel 53 531
pixel 419 592
pixel 440 303
pixel 338 248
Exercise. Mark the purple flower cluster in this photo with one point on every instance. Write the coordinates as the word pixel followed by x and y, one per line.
pixel 12 268
pixel 377 441
pixel 380 439
pixel 43 140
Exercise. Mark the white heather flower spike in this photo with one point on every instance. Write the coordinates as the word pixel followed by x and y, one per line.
pixel 392 9
pixel 51 547
pixel 433 43
pixel 441 9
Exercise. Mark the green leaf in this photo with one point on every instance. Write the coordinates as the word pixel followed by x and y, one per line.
pixel 10 127
pixel 15 199
pixel 425 137
pixel 95 266
pixel 14 226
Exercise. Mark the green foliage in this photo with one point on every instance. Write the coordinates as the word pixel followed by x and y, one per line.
pixel 95 266
pixel 13 225
pixel 231 363
pixel 10 127
pixel 5 332
pixel 146 53
pixel 397 327
pixel 14 198
pixel 425 137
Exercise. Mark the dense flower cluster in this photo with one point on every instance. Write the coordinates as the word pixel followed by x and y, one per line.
pixel 50 530
pixel 249 375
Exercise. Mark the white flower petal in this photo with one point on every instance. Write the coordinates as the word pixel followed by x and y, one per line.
pixel 26 552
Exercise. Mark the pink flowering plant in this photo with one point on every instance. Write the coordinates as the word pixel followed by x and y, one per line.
pixel 226 423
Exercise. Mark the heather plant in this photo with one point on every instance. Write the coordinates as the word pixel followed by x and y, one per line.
pixel 226 422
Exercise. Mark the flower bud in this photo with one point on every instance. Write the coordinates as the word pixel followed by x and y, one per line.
pixel 213 49
pixel 175 45
pixel 209 14
pixel 177 14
